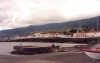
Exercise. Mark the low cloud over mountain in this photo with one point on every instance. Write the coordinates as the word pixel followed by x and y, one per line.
pixel 21 13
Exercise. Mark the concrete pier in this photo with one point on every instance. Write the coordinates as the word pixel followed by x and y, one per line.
pixel 34 50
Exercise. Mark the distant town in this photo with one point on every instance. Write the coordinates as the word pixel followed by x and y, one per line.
pixel 70 34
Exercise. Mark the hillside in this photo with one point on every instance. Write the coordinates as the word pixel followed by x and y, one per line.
pixel 90 23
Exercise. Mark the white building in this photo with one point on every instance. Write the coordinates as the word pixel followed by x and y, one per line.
pixel 64 36
pixel 46 35
pixel 16 37
pixel 85 34
pixel 97 34
pixel 28 36
pixel 39 35
pixel 79 35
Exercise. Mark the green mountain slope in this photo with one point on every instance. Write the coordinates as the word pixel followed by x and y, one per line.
pixel 90 23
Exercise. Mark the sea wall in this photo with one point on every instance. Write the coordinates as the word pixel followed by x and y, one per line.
pixel 58 40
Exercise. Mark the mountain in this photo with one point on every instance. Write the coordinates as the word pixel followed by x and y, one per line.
pixel 90 23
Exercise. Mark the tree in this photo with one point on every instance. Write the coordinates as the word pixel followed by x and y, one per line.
pixel 72 31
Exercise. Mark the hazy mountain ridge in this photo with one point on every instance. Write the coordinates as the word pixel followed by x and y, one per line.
pixel 90 23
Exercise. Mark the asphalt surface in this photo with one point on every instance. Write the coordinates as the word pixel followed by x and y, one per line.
pixel 62 57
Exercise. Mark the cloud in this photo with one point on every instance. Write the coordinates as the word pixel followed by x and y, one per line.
pixel 21 13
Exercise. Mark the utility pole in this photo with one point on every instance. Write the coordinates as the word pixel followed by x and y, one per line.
pixel 97 27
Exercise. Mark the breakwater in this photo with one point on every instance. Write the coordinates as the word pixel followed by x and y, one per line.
pixel 57 40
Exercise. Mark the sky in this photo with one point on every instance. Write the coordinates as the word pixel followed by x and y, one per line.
pixel 22 13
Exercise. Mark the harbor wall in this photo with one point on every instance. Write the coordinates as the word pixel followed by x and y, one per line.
pixel 58 40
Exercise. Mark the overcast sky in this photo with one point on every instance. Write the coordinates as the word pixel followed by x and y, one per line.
pixel 21 13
